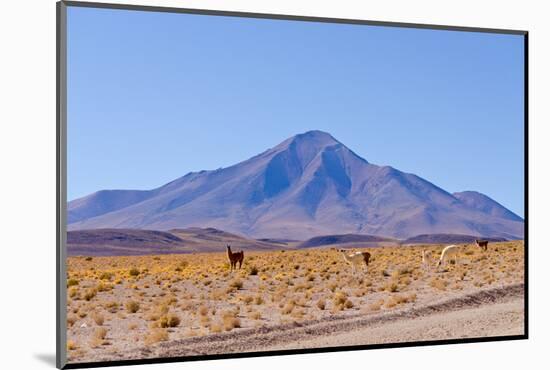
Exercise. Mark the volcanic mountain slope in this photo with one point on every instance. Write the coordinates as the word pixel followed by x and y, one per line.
pixel 308 185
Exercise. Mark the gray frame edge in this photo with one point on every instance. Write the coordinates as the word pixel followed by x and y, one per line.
pixel 61 199
pixel 287 17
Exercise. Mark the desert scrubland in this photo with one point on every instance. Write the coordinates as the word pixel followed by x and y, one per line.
pixel 192 304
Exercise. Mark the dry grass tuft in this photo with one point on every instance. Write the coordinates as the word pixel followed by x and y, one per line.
pixel 375 306
pixel 71 282
pixel 132 306
pixel 90 294
pixel 100 333
pixel 230 320
pixel 169 320
pixel 236 283
pixel 156 335
pixel 321 304
pixel 98 318
pixel 71 345
pixel 439 284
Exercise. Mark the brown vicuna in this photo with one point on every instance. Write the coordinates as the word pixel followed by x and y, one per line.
pixel 234 258
pixel 482 244
pixel 355 259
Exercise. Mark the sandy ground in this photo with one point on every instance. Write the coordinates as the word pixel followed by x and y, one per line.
pixel 490 321
pixel 490 312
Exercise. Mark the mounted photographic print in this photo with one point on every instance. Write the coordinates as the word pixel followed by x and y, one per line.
pixel 237 184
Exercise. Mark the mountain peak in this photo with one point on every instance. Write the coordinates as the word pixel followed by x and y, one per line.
pixel 308 185
pixel 315 137
pixel 315 134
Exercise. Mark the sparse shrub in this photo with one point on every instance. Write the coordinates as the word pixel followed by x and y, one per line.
pixel 438 284
pixel 133 271
pixel 230 320
pixel 348 304
pixel 205 321
pixel 392 287
pixel 339 298
pixel 111 307
pixel 247 299
pixel 400 299
pixel 156 335
pixel 90 294
pixel 106 275
pixel 98 318
pixel 100 333
pixel 71 319
pixel 88 258
pixel 288 307
pixel 375 306
pixel 215 328
pixel 132 306
pixel 237 284
pixel 203 310
pixel 298 313
pixel 71 282
pixel 104 287
pixel 253 271
pixel 321 304
pixel 255 315
pixel 74 293
pixel 169 321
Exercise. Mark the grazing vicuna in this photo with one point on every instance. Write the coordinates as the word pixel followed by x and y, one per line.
pixel 355 259
pixel 448 252
pixel 482 244
pixel 234 258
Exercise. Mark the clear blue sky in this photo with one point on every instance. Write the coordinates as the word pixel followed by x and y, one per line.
pixel 152 96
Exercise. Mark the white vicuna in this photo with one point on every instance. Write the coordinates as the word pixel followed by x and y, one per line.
pixel 356 259
pixel 449 252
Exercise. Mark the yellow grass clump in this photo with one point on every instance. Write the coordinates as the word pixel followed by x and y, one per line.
pixel 132 306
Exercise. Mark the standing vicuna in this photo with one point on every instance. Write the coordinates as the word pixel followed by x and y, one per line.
pixel 234 258
pixel 355 259
pixel 426 258
pixel 482 244
pixel 447 253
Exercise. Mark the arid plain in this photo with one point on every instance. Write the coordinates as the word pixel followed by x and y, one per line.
pixel 131 307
